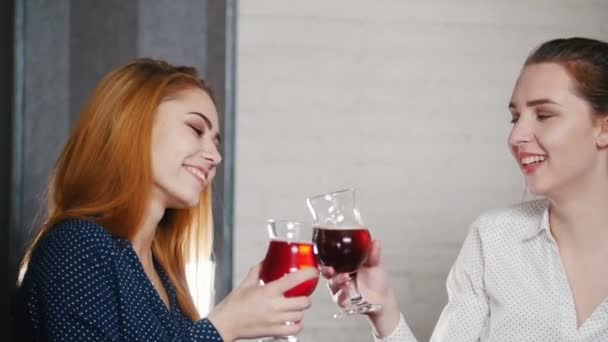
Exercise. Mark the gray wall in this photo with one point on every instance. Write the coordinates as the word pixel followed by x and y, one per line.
pixel 67 46
pixel 405 99
pixel 6 98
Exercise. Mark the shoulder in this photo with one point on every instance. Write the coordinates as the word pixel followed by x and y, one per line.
pixel 74 244
pixel 497 233
pixel 77 235
pixel 514 222
pixel 522 211
pixel 72 273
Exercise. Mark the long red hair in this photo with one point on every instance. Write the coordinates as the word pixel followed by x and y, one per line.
pixel 104 173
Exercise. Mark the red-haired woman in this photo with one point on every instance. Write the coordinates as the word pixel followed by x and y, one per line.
pixel 129 205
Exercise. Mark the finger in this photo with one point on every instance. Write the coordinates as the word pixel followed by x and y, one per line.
pixel 374 255
pixel 253 276
pixel 292 280
pixel 338 282
pixel 294 304
pixel 293 316
pixel 286 329
pixel 327 271
pixel 342 298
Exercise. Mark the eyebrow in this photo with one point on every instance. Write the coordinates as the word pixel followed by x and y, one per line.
pixel 533 103
pixel 208 123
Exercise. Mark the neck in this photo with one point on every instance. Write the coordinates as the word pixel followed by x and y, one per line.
pixel 579 218
pixel 142 241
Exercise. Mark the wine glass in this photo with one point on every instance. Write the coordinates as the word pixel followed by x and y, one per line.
pixel 290 249
pixel 342 241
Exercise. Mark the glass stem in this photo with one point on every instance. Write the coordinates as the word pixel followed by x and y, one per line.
pixel 355 298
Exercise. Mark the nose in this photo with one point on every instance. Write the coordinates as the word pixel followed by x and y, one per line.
pixel 211 153
pixel 522 132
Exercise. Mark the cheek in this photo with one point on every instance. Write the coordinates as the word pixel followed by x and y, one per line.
pixel 158 151
pixel 165 165
pixel 168 152
pixel 571 148
pixel 158 167
pixel 569 140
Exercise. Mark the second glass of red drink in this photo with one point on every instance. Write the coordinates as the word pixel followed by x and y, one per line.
pixel 290 249
pixel 342 241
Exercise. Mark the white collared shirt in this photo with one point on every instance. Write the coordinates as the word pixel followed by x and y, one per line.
pixel 508 284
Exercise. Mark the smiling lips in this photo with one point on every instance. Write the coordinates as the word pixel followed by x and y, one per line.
pixel 530 162
pixel 198 172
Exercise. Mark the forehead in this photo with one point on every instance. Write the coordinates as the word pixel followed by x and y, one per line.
pixel 544 80
pixel 192 100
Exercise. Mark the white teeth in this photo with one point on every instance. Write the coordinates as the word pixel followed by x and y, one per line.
pixel 531 160
pixel 196 172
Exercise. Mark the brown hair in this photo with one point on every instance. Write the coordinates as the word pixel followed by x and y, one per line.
pixel 115 128
pixel 586 60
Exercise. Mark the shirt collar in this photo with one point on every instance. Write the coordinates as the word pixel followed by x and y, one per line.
pixel 536 227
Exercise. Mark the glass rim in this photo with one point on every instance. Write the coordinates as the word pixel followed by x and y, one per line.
pixel 304 223
pixel 297 223
pixel 310 198
pixel 289 225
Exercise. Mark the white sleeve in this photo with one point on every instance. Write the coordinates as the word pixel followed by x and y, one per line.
pixel 402 333
pixel 465 316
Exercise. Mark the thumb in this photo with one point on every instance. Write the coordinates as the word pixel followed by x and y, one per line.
pixel 373 259
pixel 253 277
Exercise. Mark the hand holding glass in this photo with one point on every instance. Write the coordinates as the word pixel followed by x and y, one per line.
pixel 290 250
pixel 342 242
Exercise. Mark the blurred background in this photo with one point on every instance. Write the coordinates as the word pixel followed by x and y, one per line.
pixel 406 100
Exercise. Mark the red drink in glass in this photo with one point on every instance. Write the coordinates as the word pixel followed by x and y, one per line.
pixel 285 257
pixel 342 242
pixel 343 249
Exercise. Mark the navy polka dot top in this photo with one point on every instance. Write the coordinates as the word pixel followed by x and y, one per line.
pixel 84 284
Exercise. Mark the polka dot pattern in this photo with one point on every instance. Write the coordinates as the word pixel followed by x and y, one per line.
pixel 84 284
pixel 401 334
pixel 508 284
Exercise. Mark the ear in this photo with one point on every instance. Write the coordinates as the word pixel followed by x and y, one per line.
pixel 602 138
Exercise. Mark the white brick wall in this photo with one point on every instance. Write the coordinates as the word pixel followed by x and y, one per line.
pixel 406 100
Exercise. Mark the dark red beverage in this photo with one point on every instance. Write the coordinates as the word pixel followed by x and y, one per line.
pixel 285 257
pixel 343 249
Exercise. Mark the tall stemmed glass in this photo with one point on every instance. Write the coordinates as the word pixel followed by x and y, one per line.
pixel 290 249
pixel 342 241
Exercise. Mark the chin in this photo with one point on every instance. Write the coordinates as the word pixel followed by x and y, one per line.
pixel 537 189
pixel 535 192
pixel 190 202
pixel 185 201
